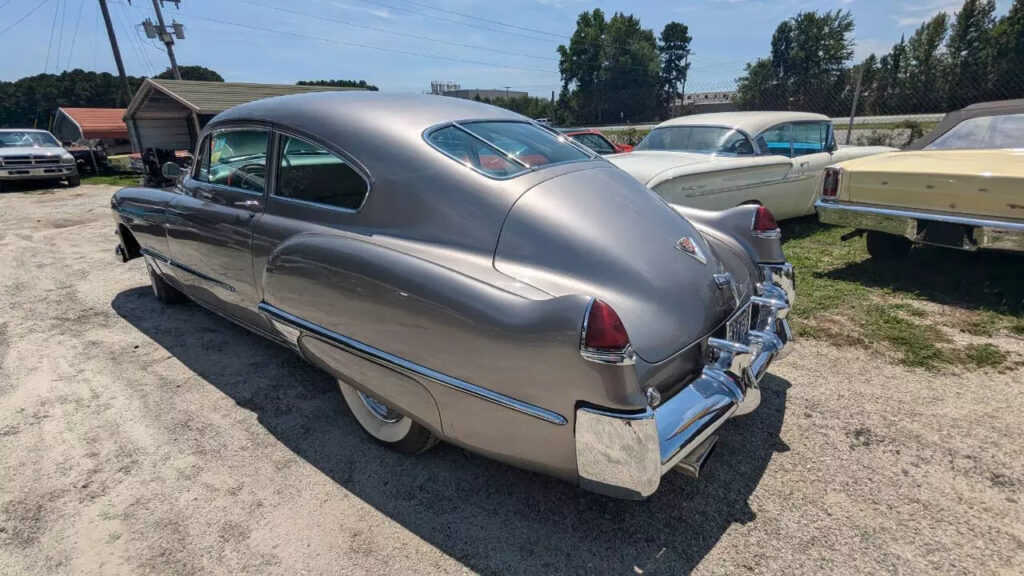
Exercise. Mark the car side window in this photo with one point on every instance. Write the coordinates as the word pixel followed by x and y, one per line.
pixel 810 138
pixel 235 158
pixel 777 140
pixel 311 173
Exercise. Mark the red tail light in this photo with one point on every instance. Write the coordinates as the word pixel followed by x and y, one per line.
pixel 764 221
pixel 604 329
pixel 830 183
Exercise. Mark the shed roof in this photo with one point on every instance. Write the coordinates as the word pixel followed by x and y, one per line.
pixel 216 97
pixel 98 122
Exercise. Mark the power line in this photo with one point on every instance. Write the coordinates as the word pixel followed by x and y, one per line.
pixel 60 35
pixel 367 46
pixel 49 45
pixel 19 20
pixel 483 19
pixel 74 37
pixel 442 18
pixel 4 4
pixel 386 31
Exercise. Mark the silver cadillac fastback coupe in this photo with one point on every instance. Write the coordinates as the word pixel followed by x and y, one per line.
pixel 471 276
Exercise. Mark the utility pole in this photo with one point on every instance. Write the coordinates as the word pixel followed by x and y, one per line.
pixel 117 52
pixel 165 36
pixel 853 109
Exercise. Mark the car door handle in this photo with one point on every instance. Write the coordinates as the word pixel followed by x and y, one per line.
pixel 253 204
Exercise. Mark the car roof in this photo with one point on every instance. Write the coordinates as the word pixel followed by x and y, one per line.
pixel 364 110
pixel 750 122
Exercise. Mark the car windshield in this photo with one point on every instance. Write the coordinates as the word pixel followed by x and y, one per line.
pixel 1005 131
pixel 698 139
pixel 13 138
pixel 504 148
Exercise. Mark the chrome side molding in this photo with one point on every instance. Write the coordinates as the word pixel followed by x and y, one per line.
pixel 299 327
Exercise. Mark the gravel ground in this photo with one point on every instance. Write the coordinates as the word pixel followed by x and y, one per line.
pixel 137 438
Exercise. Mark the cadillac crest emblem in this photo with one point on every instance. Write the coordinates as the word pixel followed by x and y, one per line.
pixel 686 244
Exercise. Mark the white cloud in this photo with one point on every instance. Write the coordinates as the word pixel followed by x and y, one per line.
pixel 912 15
pixel 863 47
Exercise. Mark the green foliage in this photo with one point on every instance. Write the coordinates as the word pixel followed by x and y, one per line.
pixel 808 56
pixel 527 105
pixel 191 73
pixel 339 83
pixel 32 101
pixel 611 71
pixel 674 48
pixel 946 64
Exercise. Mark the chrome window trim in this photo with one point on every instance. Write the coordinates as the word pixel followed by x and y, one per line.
pixel 248 127
pixel 460 124
pixel 355 165
pixel 381 357
pixel 753 144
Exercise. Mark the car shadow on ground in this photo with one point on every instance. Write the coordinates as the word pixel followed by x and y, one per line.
pixel 974 280
pixel 491 517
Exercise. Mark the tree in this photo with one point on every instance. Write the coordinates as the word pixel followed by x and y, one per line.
pixel 889 88
pixel 674 49
pixel 32 101
pixel 339 83
pixel 191 73
pixel 969 49
pixel 611 70
pixel 807 64
pixel 1008 53
pixel 925 63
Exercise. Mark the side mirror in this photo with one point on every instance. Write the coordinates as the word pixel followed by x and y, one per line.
pixel 831 146
pixel 171 171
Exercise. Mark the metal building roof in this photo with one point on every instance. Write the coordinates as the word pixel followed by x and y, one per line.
pixel 215 97
pixel 98 122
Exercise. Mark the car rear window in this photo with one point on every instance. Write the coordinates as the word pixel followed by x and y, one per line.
pixel 983 132
pixel 503 149
pixel 699 140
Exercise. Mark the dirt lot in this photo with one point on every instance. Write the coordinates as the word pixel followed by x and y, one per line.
pixel 137 438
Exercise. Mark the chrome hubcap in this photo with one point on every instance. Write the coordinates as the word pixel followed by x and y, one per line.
pixel 379 410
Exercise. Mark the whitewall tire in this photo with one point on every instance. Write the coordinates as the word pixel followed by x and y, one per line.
pixel 386 425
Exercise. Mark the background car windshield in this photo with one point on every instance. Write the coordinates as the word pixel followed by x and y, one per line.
pixel 27 138
pixel 983 132
pixel 698 139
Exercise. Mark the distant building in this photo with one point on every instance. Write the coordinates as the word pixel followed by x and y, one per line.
pixel 442 87
pixel 698 102
pixel 455 90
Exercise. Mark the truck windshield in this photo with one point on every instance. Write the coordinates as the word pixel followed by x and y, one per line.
pixel 13 138
pixel 698 139
pixel 983 132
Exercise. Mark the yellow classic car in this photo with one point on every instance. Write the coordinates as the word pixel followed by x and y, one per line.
pixel 960 186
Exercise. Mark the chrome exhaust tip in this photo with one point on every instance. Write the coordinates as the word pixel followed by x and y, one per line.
pixel 693 463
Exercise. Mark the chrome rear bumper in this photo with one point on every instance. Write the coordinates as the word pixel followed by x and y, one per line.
pixel 625 455
pixel 984 233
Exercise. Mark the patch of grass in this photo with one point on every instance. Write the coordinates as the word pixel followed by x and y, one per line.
pixel 113 179
pixel 908 309
pixel 984 355
pixel 982 324
pixel 1017 327
pixel 917 343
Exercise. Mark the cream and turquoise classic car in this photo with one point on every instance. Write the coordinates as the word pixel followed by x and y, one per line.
pixel 960 186
pixel 721 160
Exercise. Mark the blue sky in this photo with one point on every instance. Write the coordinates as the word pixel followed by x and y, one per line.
pixel 382 41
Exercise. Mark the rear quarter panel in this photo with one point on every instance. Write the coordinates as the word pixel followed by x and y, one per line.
pixel 452 323
pixel 143 211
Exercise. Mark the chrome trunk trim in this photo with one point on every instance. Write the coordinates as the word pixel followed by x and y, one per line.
pixel 276 315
